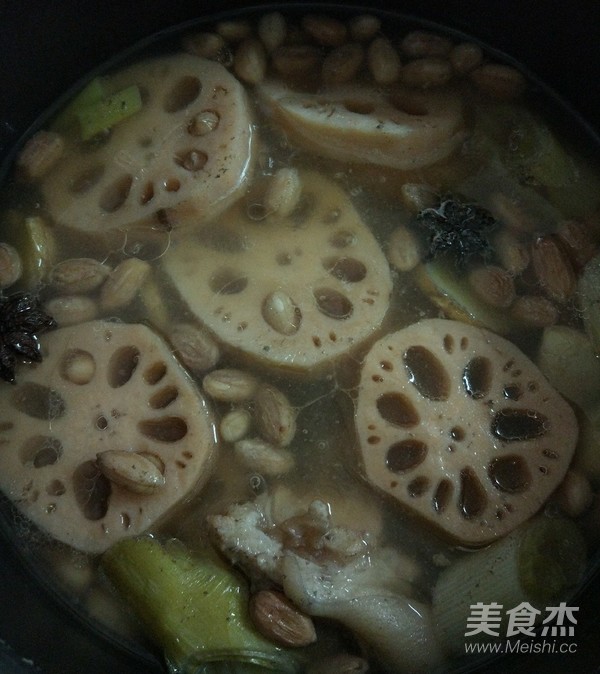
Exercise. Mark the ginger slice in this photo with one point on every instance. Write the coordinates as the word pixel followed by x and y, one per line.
pixel 460 427
pixel 105 392
pixel 294 290
pixel 403 129
pixel 183 157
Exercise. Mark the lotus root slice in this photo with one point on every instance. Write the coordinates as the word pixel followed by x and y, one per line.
pixel 102 386
pixel 161 166
pixel 403 129
pixel 460 427
pixel 294 291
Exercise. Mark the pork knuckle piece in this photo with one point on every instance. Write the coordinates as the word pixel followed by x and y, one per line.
pixel 462 428
pixel 404 129
pixel 104 436
pixel 182 158
pixel 291 290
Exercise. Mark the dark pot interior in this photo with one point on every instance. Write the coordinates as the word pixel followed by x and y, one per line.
pixel 46 47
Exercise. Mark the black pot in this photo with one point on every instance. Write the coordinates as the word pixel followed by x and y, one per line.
pixel 45 47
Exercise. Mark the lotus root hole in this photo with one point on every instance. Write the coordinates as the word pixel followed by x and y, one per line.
pixel 346 269
pixel 164 397
pixel 342 239
pixel 122 365
pixel 373 439
pixel 101 423
pixel 472 499
pixel 191 160
pixel 442 495
pixel 477 377
pixel 512 392
pixel 510 473
pixel 92 490
pixel 316 341
pixel 405 455
pixel 550 454
pixel 78 367
pixel 115 194
pixel 38 401
pixel 56 488
pixel 358 107
pixel 227 282
pixel 398 410
pixel 464 343
pixel 457 433
pixel 448 344
pixel 172 184
pixel 41 451
pixel 508 365
pixel 386 365
pixel 183 92
pixel 147 193
pixel 164 429
pixel 333 304
pixel 86 180
pixel 517 424
pixel 125 521
pixel 256 211
pixel 154 373
pixel 426 373
pixel 418 486
pixel 332 337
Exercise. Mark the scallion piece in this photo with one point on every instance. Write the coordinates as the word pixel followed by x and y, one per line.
pixel 105 113
pixel 195 608
pixel 93 92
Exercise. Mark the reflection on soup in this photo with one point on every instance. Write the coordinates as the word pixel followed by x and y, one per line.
pixel 301 320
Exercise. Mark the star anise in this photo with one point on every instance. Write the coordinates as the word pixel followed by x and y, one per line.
pixel 21 319
pixel 458 228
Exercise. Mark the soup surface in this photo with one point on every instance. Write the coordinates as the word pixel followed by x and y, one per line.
pixel 299 325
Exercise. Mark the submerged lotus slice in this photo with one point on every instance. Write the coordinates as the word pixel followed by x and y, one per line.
pixel 293 290
pixel 462 428
pixel 104 436
pixel 404 129
pixel 182 157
